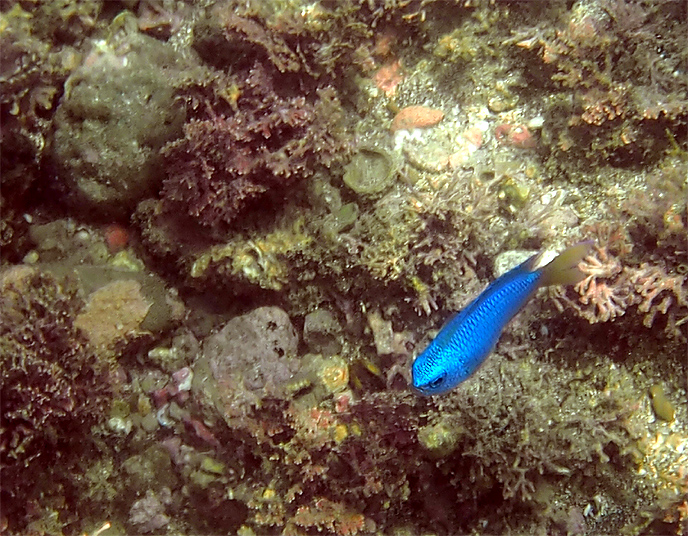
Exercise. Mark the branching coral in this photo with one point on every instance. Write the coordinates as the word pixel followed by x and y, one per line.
pixel 611 288
pixel 605 293
pixel 325 514
pixel 652 283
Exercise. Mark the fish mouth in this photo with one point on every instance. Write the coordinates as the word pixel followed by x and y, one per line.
pixel 421 390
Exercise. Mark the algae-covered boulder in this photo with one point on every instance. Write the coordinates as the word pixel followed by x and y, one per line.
pixel 117 111
pixel 322 332
pixel 250 358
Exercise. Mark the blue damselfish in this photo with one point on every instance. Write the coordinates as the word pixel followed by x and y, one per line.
pixel 469 336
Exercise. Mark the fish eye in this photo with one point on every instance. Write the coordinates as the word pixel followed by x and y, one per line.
pixel 434 384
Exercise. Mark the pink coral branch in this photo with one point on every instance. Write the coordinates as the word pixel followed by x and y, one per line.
pixel 650 282
pixel 610 288
pixel 605 290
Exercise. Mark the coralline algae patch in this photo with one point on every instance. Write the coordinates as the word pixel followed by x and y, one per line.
pixel 259 260
pixel 436 141
pixel 416 117
pixel 436 147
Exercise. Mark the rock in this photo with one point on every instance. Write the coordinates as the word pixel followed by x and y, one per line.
pixel 112 313
pixel 117 111
pixel 120 304
pixel 508 260
pixel 148 514
pixel 387 341
pixel 321 332
pixel 256 350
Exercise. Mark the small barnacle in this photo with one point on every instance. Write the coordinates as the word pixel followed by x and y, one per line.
pixel 321 377
pixel 341 432
pixel 247 263
pixel 315 17
pixel 515 136
pixel 298 383
pixel 333 374
pixel 513 194
pixel 199 266
pixel 440 439
pixel 231 94
pixel 673 220
pixel 105 526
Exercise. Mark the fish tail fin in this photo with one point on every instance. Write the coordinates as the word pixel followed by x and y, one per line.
pixel 563 269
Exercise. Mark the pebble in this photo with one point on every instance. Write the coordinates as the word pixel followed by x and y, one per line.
pixel 661 404
pixel 150 422
pixel 431 158
pixel 120 426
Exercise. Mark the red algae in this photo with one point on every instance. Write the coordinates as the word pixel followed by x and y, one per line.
pixel 388 77
pixel 515 135
pixel 416 117
pixel 116 237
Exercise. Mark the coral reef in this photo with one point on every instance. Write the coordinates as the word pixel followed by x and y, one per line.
pixel 618 90
pixel 209 313
pixel 356 466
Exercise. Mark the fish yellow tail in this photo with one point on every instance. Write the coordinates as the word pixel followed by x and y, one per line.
pixel 563 269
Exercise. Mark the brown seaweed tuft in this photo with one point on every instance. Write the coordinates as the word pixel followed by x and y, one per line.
pixel 230 158
pixel 53 387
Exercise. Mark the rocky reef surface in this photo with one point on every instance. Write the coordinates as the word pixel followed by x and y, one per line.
pixel 228 228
